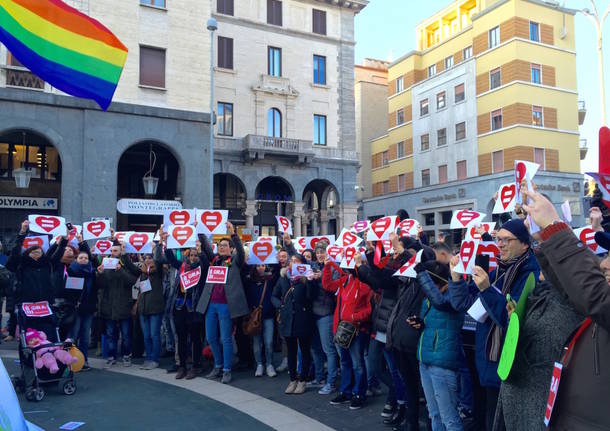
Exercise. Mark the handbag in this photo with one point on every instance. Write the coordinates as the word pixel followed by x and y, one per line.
pixel 346 331
pixel 252 325
pixel 278 317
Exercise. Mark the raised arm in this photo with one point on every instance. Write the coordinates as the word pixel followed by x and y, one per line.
pixel 328 283
pixel 436 298
pixel 206 247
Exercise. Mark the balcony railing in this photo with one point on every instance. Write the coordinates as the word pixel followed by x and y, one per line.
pixel 17 77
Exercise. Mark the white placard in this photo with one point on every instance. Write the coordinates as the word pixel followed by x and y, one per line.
pixel 300 270
pixel 47 224
pixel 138 242
pixel 468 252
pixel 96 229
pixel 471 233
pixel 348 239
pixel 408 227
pixel 408 269
pixel 381 228
pixel 284 225
pixel 349 257
pixel 41 241
pixel 217 275
pixel 335 252
pixel 586 235
pixel 110 263
pixel 360 226
pixel 262 252
pixel 305 242
pixel 145 286
pixel 524 170
pixel 75 283
pixel 102 246
pixel 212 222
pixel 603 183
pixel 179 217
pixel 507 199
pixel 465 218
pixel 181 237
pixel 478 312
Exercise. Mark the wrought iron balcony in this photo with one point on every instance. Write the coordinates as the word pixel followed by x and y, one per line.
pixel 18 77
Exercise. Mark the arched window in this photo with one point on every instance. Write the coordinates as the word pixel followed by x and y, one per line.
pixel 274 123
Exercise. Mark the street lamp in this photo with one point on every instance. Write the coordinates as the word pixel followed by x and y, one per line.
pixel 212 26
pixel 23 174
pixel 599 26
pixel 149 182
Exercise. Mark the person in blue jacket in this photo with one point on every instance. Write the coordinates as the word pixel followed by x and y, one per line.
pixel 515 263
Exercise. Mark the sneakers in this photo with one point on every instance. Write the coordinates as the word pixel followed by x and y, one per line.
pixel 283 366
pixel 315 383
pixel 300 389
pixel 127 361
pixel 181 373
pixel 388 411
pixel 214 374
pixel 271 371
pixel 327 389
pixel 192 373
pixel 340 399
pixel 86 367
pixel 8 338
pixel 226 377
pixel 259 370
pixel 291 387
pixel 144 366
pixel 356 403
pixel 109 362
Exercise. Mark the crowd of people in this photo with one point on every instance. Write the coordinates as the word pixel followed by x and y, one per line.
pixel 347 332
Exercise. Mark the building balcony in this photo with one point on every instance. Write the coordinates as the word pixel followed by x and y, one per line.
pixel 257 147
pixel 582 112
pixel 583 149
pixel 23 78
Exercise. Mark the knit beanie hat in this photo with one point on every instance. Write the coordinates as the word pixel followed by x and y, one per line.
pixel 517 228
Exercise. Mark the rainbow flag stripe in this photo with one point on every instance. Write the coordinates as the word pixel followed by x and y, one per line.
pixel 71 51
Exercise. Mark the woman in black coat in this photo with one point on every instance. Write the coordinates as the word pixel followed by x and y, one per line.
pixel 294 296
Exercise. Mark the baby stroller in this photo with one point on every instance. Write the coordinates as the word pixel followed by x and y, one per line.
pixel 32 379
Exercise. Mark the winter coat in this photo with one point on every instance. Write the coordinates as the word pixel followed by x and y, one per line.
pixel 233 288
pixel 402 336
pixel 584 396
pixel 190 297
pixel 33 276
pixel 115 287
pixel 354 298
pixel 324 302
pixel 151 302
pixel 462 297
pixel 60 271
pixel 86 304
pixel 294 300
pixel 440 343
pixel 254 291
pixel 549 321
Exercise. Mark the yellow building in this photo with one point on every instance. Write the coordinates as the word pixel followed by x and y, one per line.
pixel 491 82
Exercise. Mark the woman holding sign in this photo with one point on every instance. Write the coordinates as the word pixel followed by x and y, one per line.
pixel 150 303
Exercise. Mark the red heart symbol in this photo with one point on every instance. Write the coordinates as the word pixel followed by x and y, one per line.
pixel 119 236
pixel 466 252
pixel 334 251
pixel 587 236
pixel 302 242
pixel 179 217
pixel 211 219
pixel 409 264
pixel 520 171
pixel 103 246
pixel 182 233
pixel 301 269
pixel 604 182
pixel 32 241
pixel 138 240
pixel 96 228
pixel 473 231
pixel 285 223
pixel 317 239
pixel 349 238
pixel 489 249
pixel 466 216
pixel 405 226
pixel 507 194
pixel 262 250
pixel 387 245
pixel 350 252
pixel 379 226
pixel 47 223
pixel 361 225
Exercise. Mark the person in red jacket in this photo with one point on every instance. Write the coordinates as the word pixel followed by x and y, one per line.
pixel 353 306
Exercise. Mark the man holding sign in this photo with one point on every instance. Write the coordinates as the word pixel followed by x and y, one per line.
pixel 222 302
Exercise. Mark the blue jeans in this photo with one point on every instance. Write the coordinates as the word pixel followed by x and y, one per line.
pixel 81 332
pixel 378 372
pixel 169 331
pixel 399 385
pixel 441 390
pixel 266 337
pixel 325 330
pixel 218 316
pixel 151 329
pixel 112 337
pixel 353 368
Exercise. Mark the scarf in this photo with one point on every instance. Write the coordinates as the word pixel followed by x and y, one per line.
pixel 508 269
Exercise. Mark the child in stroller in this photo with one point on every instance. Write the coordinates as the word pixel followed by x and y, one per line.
pixel 35 351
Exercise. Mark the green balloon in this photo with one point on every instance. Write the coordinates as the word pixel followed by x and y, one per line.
pixel 510 347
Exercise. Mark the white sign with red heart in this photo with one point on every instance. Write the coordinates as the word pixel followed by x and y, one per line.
pixel 41 241
pixel 305 242
pixel 179 217
pixel 347 238
pixel 360 226
pixel 587 236
pixel 138 242
pixel 335 252
pixel 72 236
pixel 471 233
pixel 468 252
pixel 524 170
pixel 382 228
pixel 262 252
pixel 212 222
pixel 603 183
pixel 408 269
pixel 349 257
pixel 491 249
pixel 506 201
pixel 408 227
pixel 466 218
pixel 300 270
pixel 120 236
pixel 96 229
pixel 284 225
pixel 49 225
pixel 181 237
pixel 102 246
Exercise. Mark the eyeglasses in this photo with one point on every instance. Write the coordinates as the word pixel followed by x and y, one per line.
pixel 501 240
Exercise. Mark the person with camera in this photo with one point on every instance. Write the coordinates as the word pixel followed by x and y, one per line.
pixel 351 323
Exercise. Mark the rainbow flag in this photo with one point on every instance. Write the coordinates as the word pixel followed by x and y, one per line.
pixel 71 51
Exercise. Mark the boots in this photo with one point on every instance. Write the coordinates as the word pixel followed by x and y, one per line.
pixel 398 417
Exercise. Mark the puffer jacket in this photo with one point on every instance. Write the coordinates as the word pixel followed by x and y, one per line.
pixel 583 393
pixel 354 302
pixel 440 343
